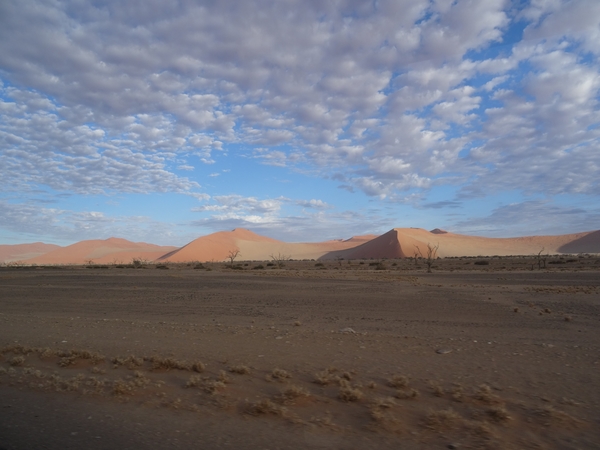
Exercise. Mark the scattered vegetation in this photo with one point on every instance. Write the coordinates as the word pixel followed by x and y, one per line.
pixel 398 381
pixel 280 259
pixel 280 374
pixel 240 370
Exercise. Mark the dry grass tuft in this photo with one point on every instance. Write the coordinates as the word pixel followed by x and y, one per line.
pixel 292 393
pixel 96 383
pixel 265 407
pixel 553 416
pixel 457 393
pixel 46 352
pixel 398 381
pixel 68 357
pixel 327 377
pixel 407 394
pixel 94 357
pixel 66 361
pixel 384 402
pixel 194 381
pixel 17 361
pixel 280 374
pixel 17 349
pixel 121 387
pixel 381 414
pixel 167 363
pixel 213 387
pixel 484 394
pixel 198 367
pixel 325 421
pixel 139 379
pixel 223 378
pixel 498 414
pixel 133 362
pixel 206 384
pixel 349 394
pixel 240 370
pixel 445 419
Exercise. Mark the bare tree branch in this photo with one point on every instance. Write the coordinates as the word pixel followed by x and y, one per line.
pixel 279 259
pixel 232 255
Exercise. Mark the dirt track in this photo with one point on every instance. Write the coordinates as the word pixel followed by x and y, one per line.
pixel 478 359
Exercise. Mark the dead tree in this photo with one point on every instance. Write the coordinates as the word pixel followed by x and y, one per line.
pixel 232 255
pixel 431 255
pixel 541 259
pixel 279 259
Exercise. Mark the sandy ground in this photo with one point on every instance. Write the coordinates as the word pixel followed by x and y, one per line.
pixel 339 355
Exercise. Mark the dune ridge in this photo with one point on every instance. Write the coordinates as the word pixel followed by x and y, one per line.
pixel 111 250
pixel 250 246
pixel 408 242
pixel 21 252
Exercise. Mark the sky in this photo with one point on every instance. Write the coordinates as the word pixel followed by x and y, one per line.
pixel 302 120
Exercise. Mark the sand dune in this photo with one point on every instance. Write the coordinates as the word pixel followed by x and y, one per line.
pixel 396 243
pixel 21 252
pixel 101 252
pixel 406 242
pixel 583 243
pixel 254 247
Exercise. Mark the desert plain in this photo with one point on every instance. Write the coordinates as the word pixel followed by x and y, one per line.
pixel 347 354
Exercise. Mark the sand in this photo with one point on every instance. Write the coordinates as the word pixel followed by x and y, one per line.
pixel 249 246
pixel 408 242
pixel 315 355
pixel 106 251
pixel 253 247
pixel 21 252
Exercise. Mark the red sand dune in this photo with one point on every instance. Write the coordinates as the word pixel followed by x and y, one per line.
pixel 102 252
pixel 254 247
pixel 396 243
pixel 406 242
pixel 21 252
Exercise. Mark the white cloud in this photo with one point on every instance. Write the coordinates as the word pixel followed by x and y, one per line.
pixel 314 204
pixel 239 206
pixel 534 217
pixel 390 97
pixel 66 226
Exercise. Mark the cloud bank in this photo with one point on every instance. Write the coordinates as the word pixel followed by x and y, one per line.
pixel 390 100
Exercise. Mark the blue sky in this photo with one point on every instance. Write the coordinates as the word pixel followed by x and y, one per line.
pixel 162 121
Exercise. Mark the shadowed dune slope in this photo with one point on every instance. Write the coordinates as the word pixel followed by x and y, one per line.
pixel 252 246
pixel 406 242
pixel 21 252
pixel 102 252
pixel 586 243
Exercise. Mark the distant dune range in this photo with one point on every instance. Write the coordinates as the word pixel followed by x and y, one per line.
pixel 107 251
pixel 396 243
pixel 21 252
